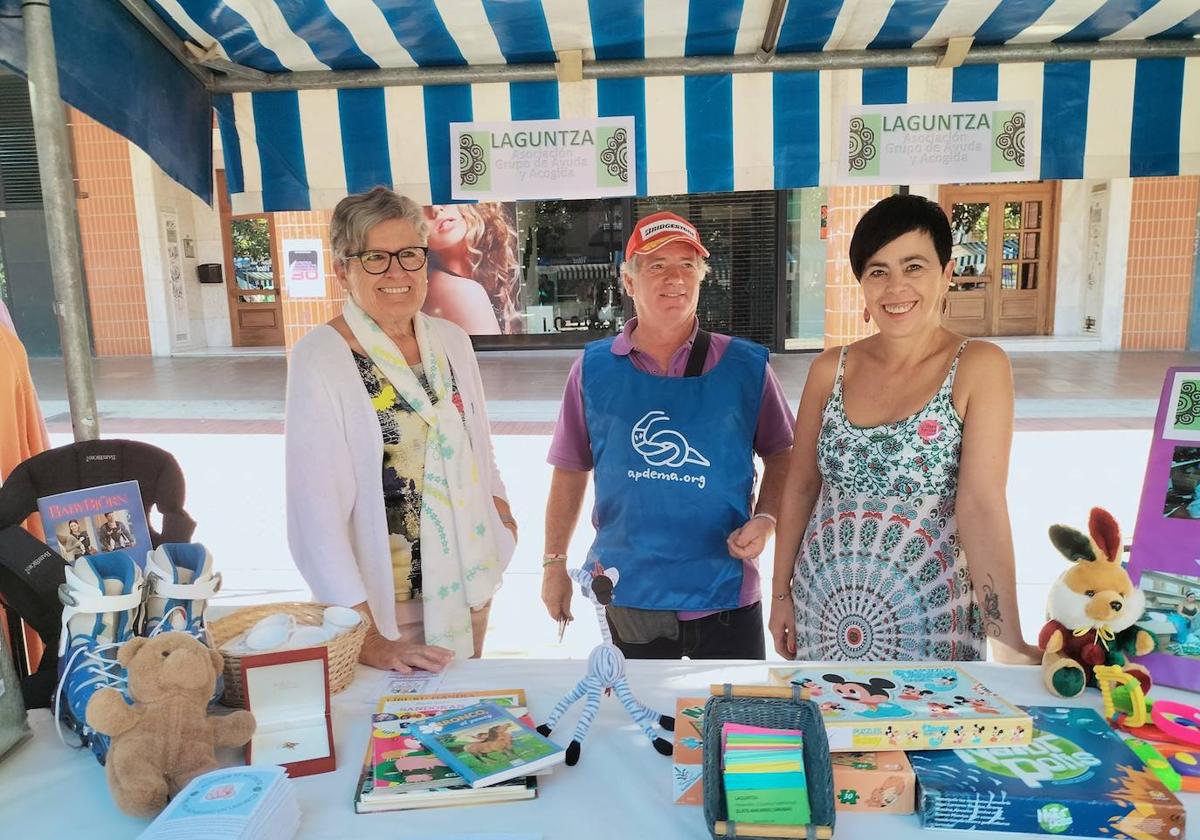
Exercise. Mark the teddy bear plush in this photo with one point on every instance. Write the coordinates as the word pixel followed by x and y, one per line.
pixel 167 737
pixel 1092 610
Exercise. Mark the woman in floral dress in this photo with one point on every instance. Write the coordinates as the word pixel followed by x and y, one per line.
pixel 894 540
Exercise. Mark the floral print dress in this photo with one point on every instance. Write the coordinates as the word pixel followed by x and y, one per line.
pixel 880 576
pixel 403 471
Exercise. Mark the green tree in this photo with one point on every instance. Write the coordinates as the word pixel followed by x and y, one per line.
pixel 969 222
pixel 252 240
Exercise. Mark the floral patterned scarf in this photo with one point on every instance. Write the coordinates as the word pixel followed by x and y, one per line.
pixel 459 561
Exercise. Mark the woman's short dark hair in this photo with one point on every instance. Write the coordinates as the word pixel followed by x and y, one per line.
pixel 893 217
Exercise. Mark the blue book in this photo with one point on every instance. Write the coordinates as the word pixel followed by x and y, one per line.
pixel 486 745
pixel 1077 778
pixel 96 520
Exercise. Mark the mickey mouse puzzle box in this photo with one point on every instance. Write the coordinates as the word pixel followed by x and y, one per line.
pixel 1077 779
pixel 917 707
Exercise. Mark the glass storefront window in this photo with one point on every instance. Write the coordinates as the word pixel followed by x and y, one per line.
pixel 804 268
pixel 253 266
pixel 739 295
pixel 969 230
pixel 569 257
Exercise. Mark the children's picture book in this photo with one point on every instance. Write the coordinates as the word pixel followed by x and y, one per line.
pixel 688 769
pixel 484 744
pixel 915 707
pixel 874 782
pixel 401 761
pixel 97 519
pixel 396 766
pixel 1077 778
pixel 1165 559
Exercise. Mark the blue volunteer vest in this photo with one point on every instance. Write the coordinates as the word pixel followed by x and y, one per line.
pixel 674 469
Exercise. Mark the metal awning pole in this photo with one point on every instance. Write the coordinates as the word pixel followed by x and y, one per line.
pixel 62 221
pixel 646 68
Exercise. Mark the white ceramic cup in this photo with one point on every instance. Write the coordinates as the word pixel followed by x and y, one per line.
pixel 307 635
pixel 339 620
pixel 270 633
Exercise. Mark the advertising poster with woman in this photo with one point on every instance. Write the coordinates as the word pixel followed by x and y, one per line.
pixel 474 277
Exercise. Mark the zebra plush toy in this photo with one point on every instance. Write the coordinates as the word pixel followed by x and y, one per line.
pixel 606 673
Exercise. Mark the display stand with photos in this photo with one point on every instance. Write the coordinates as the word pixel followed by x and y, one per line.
pixel 1165 558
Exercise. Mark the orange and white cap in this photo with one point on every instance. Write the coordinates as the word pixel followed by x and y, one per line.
pixel 659 229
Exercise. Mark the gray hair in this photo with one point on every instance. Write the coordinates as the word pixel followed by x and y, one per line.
pixel 356 214
pixel 633 265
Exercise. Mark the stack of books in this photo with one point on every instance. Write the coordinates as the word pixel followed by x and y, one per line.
pixel 764 775
pixel 254 803
pixel 400 773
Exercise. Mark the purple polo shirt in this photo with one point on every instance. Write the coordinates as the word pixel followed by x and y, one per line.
pixel 571 448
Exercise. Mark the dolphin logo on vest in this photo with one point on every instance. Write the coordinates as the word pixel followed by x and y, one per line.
pixel 663 447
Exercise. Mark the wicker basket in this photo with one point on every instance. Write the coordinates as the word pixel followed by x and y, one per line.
pixel 778 708
pixel 343 649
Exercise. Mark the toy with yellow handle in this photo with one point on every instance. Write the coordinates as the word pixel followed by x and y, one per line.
pixel 1168 743
pixel 1108 676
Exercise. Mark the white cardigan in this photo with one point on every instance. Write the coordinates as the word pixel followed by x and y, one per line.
pixel 337 529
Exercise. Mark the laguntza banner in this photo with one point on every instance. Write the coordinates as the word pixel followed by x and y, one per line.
pixel 937 144
pixel 532 159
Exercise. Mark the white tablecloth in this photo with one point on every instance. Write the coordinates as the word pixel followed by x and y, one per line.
pixel 620 789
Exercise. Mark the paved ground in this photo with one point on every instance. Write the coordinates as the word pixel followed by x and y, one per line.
pixel 1083 434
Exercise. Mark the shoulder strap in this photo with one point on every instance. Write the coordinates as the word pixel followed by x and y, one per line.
pixel 954 364
pixel 695 362
pixel 841 371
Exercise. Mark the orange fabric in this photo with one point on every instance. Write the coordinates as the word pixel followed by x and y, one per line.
pixel 22 435
pixel 22 430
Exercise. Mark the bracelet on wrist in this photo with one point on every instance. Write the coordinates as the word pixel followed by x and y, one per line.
pixel 765 515
pixel 550 559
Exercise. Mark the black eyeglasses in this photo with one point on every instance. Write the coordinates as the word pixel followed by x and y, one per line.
pixel 411 258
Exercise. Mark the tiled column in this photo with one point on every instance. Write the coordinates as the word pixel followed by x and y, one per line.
pixel 1158 280
pixel 112 261
pixel 302 314
pixel 843 297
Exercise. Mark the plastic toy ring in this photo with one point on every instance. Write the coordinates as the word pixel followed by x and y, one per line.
pixel 1185 764
pixel 1177 721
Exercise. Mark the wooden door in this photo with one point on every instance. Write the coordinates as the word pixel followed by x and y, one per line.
pixel 251 275
pixel 1004 254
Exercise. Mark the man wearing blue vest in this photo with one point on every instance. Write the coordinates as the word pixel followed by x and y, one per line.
pixel 669 417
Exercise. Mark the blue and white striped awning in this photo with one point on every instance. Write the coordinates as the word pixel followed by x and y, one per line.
pixel 287 150
pixel 281 35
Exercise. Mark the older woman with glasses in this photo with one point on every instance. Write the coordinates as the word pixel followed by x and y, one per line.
pixel 394 502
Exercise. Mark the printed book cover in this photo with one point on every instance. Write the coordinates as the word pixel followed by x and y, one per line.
pixel 1077 778
pixel 400 761
pixel 1164 560
pixel 485 744
pixel 95 520
pixel 393 715
pixel 909 707
pixel 368 801
pixel 688 770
